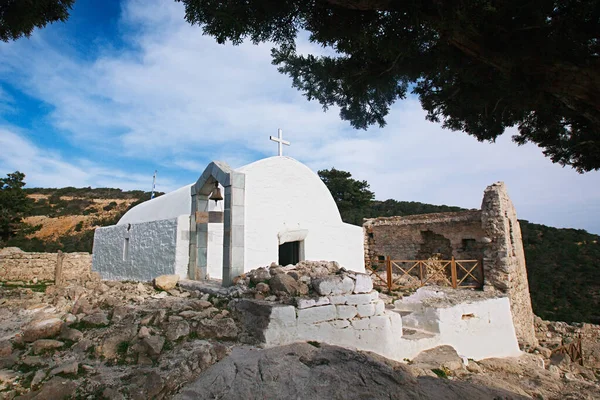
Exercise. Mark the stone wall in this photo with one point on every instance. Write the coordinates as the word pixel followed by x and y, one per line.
pixel 504 260
pixel 417 237
pixel 492 234
pixel 19 266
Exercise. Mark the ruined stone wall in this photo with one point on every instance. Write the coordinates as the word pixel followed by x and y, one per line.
pixel 493 234
pixel 504 260
pixel 19 266
pixel 418 237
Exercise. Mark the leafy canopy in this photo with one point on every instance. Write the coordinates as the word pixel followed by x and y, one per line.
pixel 351 196
pixel 476 66
pixel 14 204
pixel 19 17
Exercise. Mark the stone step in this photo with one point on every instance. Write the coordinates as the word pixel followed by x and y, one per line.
pixel 416 334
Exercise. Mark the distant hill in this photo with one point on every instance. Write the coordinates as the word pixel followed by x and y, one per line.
pixel 563 264
pixel 65 219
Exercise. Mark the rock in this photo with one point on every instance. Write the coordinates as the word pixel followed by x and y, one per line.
pixel 439 357
pixel 569 376
pixel 81 306
pixel 154 344
pixel 73 335
pixel 545 352
pixel 7 376
pixel 45 329
pixel 42 345
pixel 177 330
pixel 82 346
pixel 200 304
pixel 39 376
pixel 97 319
pixel 362 283
pixel 144 332
pixel 166 282
pixel 67 368
pixel 333 285
pixel 33 361
pixel 284 283
pixel 160 295
pixel 110 344
pixel 561 360
pixel 55 389
pixel 259 275
pixel 224 328
pixel 70 319
pixel 5 348
pixel 262 287
pixel 554 370
pixel 327 372
pixel 473 367
pixel 113 394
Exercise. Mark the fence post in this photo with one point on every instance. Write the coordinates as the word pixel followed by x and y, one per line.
pixel 388 267
pixel 421 272
pixel 453 272
pixel 58 272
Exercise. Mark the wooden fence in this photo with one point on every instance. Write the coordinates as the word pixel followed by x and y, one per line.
pixel 402 274
pixel 573 349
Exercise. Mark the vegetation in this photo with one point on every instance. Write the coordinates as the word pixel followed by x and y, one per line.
pixel 478 66
pixel 563 265
pixel 14 205
pixel 18 18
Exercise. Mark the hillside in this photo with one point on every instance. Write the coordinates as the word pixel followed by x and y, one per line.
pixel 563 264
pixel 65 219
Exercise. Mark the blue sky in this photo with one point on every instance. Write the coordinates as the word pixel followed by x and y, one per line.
pixel 124 88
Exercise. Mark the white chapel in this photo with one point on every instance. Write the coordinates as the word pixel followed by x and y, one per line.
pixel 273 210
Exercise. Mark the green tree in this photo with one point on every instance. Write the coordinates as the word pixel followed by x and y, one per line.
pixel 477 66
pixel 19 17
pixel 352 197
pixel 14 204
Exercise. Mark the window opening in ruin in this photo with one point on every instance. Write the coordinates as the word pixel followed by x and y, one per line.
pixel 469 244
pixel 291 252
pixel 370 235
pixel 126 250
pixel 434 244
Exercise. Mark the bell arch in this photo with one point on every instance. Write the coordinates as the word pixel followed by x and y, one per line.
pixel 234 184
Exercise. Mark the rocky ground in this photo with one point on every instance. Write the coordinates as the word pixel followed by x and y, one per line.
pixel 123 340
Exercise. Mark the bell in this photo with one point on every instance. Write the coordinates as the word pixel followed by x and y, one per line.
pixel 216 193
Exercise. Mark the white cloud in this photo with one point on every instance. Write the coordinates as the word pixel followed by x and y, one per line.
pixel 176 97
pixel 45 168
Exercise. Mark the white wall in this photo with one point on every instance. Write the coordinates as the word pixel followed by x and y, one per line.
pixel 167 206
pixel 215 251
pixel 155 248
pixel 284 195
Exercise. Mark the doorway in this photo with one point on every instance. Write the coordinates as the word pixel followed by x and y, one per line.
pixel 290 253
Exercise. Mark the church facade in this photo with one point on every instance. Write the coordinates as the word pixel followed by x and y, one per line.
pixel 274 210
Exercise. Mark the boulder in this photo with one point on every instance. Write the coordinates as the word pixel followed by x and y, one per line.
pixel 42 345
pixel 47 328
pixel 561 360
pixel 439 357
pixel 73 335
pixel 285 284
pixel 66 368
pixel 5 348
pixel 223 328
pixel 55 389
pixel 362 283
pixel 98 318
pixel 177 330
pixel 263 287
pixel 259 275
pixel 333 285
pixel 166 282
pixel 39 376
pixel 154 345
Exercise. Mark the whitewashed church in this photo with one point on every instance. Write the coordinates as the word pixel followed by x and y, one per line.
pixel 273 210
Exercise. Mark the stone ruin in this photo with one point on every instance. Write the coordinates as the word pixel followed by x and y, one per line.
pixel 491 234
pixel 322 302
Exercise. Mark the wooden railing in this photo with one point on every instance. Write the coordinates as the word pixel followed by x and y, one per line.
pixel 402 274
pixel 573 349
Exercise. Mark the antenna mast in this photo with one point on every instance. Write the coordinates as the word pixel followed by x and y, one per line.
pixel 153 185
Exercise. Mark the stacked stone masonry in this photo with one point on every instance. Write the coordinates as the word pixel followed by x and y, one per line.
pixel 18 266
pixel 492 234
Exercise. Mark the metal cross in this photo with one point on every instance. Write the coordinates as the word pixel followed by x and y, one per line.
pixel 280 141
